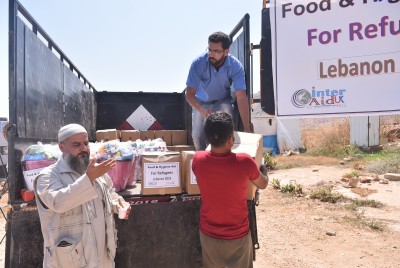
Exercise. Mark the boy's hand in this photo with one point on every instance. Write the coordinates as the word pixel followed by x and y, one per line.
pixel 264 170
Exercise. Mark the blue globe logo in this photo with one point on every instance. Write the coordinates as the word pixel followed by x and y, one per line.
pixel 301 98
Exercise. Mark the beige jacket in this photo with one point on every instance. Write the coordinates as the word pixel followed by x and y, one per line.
pixel 63 201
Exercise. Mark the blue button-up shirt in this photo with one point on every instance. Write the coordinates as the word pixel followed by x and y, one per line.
pixel 211 84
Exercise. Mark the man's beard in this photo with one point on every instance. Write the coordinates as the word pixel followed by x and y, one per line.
pixel 217 63
pixel 78 163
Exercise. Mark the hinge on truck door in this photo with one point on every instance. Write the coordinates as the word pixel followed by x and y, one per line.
pixel 8 128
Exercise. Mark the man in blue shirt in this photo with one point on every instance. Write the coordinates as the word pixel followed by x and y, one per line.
pixel 209 83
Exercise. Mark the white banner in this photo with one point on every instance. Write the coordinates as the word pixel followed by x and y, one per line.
pixel 336 57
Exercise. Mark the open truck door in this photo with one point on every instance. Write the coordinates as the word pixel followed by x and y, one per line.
pixel 241 49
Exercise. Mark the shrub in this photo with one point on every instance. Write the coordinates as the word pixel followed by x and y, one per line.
pixel 385 165
pixel 356 203
pixel 293 188
pixel 269 162
pixel 360 221
pixel 351 175
pixel 276 184
pixel 325 194
pixel 332 140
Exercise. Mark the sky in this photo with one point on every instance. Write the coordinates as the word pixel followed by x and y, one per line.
pixel 131 45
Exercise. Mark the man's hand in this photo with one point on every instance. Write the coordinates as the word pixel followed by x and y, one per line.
pixel 251 127
pixel 243 106
pixel 248 129
pixel 190 94
pixel 122 204
pixel 206 112
pixel 96 170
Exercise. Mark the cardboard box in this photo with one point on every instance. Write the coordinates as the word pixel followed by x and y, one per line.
pixel 180 148
pixel 251 144
pixel 189 138
pixel 165 135
pixel 130 135
pixel 179 137
pixel 107 135
pixel 147 135
pixel 161 173
pixel 189 181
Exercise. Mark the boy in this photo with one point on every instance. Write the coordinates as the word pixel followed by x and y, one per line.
pixel 223 178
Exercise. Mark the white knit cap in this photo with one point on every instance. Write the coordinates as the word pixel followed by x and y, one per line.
pixel 70 130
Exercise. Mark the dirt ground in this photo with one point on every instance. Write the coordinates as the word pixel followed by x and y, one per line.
pixel 302 232
pixel 294 231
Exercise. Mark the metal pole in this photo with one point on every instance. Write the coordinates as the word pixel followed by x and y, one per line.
pixel 12 70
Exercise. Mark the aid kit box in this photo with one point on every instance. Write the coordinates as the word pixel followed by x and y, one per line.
pixel 165 135
pixel 180 148
pixel 161 173
pixel 107 135
pixel 147 135
pixel 252 144
pixel 179 137
pixel 189 181
pixel 130 135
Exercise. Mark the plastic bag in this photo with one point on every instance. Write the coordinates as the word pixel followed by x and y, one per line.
pixel 41 151
pixel 120 151
pixel 124 172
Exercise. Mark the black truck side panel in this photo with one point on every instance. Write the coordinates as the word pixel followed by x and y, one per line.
pixel 164 235
pixel 42 109
pixel 40 95
pixel 79 103
pixel 24 240
pixel 156 235
pixel 48 94
pixel 168 109
pixel 267 84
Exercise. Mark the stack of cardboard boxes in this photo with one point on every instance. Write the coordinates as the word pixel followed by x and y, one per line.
pixel 108 135
pixel 171 172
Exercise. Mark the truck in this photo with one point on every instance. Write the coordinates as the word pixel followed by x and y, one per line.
pixel 47 91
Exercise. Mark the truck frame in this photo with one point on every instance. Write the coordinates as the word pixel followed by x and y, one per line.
pixel 47 91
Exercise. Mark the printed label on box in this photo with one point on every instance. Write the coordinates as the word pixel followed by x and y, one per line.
pixel 159 175
pixel 30 176
pixel 193 179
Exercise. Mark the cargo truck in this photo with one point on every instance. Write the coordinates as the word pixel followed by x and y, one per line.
pixel 47 91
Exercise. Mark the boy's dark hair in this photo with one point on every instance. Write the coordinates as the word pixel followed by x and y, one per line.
pixel 220 37
pixel 217 128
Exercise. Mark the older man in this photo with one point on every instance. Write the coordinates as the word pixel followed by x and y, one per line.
pixel 76 202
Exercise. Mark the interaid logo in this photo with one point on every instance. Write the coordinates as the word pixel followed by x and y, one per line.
pixel 318 98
